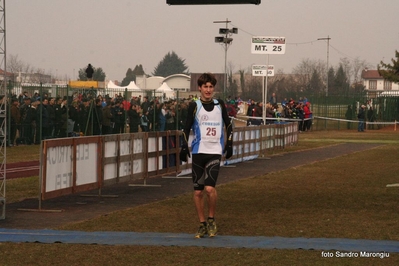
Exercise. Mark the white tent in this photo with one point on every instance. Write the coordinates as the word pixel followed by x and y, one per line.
pixel 112 85
pixel 166 90
pixel 132 86
pixel 113 89
pixel 132 89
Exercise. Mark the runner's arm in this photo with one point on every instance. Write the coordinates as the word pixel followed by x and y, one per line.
pixel 226 120
pixel 192 107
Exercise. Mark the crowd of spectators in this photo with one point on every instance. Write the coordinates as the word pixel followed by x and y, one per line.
pixel 35 118
pixel 299 110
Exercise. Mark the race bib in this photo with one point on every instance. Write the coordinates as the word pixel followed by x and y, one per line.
pixel 210 131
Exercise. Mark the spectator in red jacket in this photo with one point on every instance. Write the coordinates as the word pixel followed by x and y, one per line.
pixel 308 117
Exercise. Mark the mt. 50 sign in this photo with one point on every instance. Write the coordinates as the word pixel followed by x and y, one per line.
pixel 267 45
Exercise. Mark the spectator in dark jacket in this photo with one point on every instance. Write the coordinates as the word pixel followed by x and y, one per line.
pixel 119 118
pixel 63 117
pixel 250 109
pixel 89 72
pixel 273 99
pixel 86 111
pixel 27 117
pixel 257 112
pixel 361 116
pixel 371 116
pixel 107 117
pixel 162 117
pixel 145 104
pixel 269 113
pixel 58 117
pixel 15 119
pixel 51 114
pixel 97 117
pixel 74 116
pixel 42 121
pixel 183 115
pixel 170 119
pixel 134 118
pixel 300 115
pixel 349 116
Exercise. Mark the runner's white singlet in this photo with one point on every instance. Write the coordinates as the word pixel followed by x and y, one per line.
pixel 208 130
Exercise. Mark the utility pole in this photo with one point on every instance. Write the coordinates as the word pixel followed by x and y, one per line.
pixel 226 41
pixel 328 55
pixel 3 110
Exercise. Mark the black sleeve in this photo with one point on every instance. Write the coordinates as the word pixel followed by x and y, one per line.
pixel 226 119
pixel 192 108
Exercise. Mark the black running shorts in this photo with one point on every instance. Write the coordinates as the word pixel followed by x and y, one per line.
pixel 205 170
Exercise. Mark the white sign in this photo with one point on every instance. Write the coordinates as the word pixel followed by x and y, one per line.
pixel 59 168
pixel 260 70
pixel 86 163
pixel 267 45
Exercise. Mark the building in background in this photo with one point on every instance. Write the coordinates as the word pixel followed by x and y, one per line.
pixel 376 85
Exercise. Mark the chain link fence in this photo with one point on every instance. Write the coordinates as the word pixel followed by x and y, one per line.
pixel 336 112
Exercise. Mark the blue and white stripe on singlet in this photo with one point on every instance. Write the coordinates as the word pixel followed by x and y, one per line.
pixel 208 130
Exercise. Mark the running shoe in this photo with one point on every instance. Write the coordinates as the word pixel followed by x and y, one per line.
pixel 212 229
pixel 202 231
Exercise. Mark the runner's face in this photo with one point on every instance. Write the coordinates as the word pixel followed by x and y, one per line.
pixel 207 91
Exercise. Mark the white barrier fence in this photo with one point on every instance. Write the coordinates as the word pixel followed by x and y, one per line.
pixel 80 164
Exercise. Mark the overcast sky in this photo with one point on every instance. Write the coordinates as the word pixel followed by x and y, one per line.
pixel 63 36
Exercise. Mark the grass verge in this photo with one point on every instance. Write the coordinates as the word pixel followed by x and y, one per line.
pixel 342 197
pixel 23 153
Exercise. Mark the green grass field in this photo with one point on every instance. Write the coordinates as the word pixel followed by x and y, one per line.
pixel 344 197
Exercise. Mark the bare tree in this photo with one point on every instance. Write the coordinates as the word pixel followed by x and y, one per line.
pixel 232 87
pixel 357 67
pixel 14 65
pixel 254 85
pixel 36 77
pixel 17 66
pixel 347 68
pixel 304 70
pixel 242 82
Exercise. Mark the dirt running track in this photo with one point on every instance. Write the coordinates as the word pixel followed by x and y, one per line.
pixel 77 208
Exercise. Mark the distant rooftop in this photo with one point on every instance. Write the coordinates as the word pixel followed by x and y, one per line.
pixel 371 74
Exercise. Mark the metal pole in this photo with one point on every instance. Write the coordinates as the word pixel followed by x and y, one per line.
pixel 7 102
pixel 67 112
pixel 226 46
pixel 4 127
pixel 40 176
pixel 40 137
pixel 328 55
pixel 225 71
pixel 225 63
pixel 125 112
pixel 265 101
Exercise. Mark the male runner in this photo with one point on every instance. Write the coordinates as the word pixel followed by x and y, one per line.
pixel 206 117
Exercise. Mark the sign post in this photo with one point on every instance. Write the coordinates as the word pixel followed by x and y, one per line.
pixel 267 45
pixel 260 70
